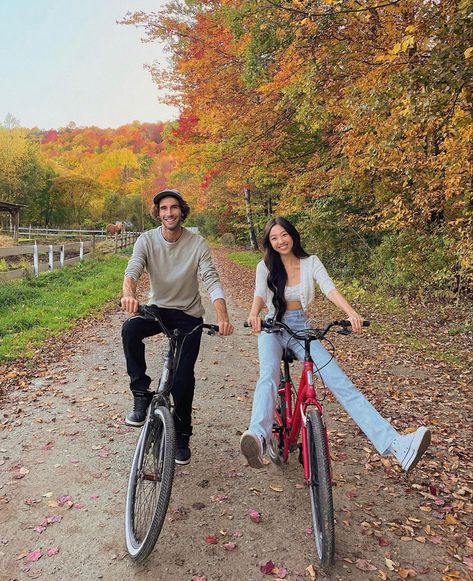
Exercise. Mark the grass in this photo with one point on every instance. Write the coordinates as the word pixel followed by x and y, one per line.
pixel 245 257
pixel 33 309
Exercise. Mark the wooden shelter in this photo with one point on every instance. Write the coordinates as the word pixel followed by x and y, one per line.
pixel 14 211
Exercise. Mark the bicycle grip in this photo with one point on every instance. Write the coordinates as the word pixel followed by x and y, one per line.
pixel 264 324
pixel 346 323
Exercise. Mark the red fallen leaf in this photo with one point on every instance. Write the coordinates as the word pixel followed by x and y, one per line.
pixel 31 501
pixel 211 540
pixel 78 505
pixel 363 565
pixel 229 546
pixel 267 568
pixel 34 555
pixel 351 494
pixel 281 572
pixel 39 529
pixel 433 490
pixel 255 516
pixel 237 534
pixel 54 518
pixel 199 578
pixel 382 542
pixel 436 540
pixel 74 461
pixel 53 551
pixel 63 499
pixel 342 456
pixel 468 562
pixel 47 446
pixel 94 497
pixel 308 530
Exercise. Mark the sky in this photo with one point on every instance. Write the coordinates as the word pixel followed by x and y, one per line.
pixel 68 60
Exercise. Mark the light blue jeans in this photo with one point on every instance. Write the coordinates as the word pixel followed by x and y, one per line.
pixel 270 346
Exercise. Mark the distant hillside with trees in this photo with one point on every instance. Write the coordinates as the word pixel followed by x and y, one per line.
pixel 83 176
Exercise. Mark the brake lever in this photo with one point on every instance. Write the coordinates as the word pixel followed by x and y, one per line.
pixel 344 331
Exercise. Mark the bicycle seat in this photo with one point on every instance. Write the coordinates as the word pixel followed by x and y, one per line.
pixel 288 355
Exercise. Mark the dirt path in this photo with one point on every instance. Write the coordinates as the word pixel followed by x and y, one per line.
pixel 65 453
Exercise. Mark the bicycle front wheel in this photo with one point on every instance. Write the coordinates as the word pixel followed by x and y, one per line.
pixel 320 488
pixel 150 483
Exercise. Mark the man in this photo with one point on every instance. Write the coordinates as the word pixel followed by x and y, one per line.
pixel 173 258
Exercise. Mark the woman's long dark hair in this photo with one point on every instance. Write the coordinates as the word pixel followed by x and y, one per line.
pixel 277 277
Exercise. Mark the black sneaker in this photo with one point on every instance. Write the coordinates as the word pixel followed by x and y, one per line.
pixel 183 452
pixel 137 416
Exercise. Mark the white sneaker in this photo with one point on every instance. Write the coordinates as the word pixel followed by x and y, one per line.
pixel 409 448
pixel 251 447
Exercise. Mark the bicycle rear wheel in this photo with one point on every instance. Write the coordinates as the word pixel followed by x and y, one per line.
pixel 320 488
pixel 150 483
pixel 276 443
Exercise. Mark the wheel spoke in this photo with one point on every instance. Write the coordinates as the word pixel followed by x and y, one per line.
pixel 150 484
pixel 320 488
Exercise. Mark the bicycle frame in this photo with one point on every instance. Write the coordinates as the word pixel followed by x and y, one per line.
pixel 295 416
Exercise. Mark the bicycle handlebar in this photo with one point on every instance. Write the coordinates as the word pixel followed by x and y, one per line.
pixel 311 334
pixel 147 313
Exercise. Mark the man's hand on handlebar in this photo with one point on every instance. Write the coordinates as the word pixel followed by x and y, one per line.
pixel 130 305
pixel 225 328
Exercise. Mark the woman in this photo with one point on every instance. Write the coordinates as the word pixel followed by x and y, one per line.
pixel 285 285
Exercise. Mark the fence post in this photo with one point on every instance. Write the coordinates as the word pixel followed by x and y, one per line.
pixel 35 259
pixel 93 244
pixel 51 257
pixel 116 242
pixel 81 251
pixel 29 233
pixel 62 255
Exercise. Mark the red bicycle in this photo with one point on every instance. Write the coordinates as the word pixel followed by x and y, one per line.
pixel 299 413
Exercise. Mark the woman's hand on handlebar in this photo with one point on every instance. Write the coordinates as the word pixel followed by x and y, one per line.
pixel 130 305
pixel 356 321
pixel 255 323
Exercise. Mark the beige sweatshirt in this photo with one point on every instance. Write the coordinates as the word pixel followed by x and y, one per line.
pixel 174 269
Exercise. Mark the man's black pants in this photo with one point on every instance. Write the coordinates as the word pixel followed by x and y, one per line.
pixel 134 330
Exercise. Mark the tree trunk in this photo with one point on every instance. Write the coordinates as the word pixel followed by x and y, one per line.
pixel 249 220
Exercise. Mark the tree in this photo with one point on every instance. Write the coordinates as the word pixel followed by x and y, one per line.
pixel 76 194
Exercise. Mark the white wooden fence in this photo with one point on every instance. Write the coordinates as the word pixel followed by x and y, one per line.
pixel 82 249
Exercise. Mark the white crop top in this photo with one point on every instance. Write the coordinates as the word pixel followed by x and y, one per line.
pixel 293 293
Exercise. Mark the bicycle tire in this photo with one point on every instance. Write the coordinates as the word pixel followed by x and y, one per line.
pixel 320 489
pixel 276 444
pixel 150 483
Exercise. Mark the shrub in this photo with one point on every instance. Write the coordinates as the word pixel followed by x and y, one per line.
pixel 227 239
pixel 409 262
